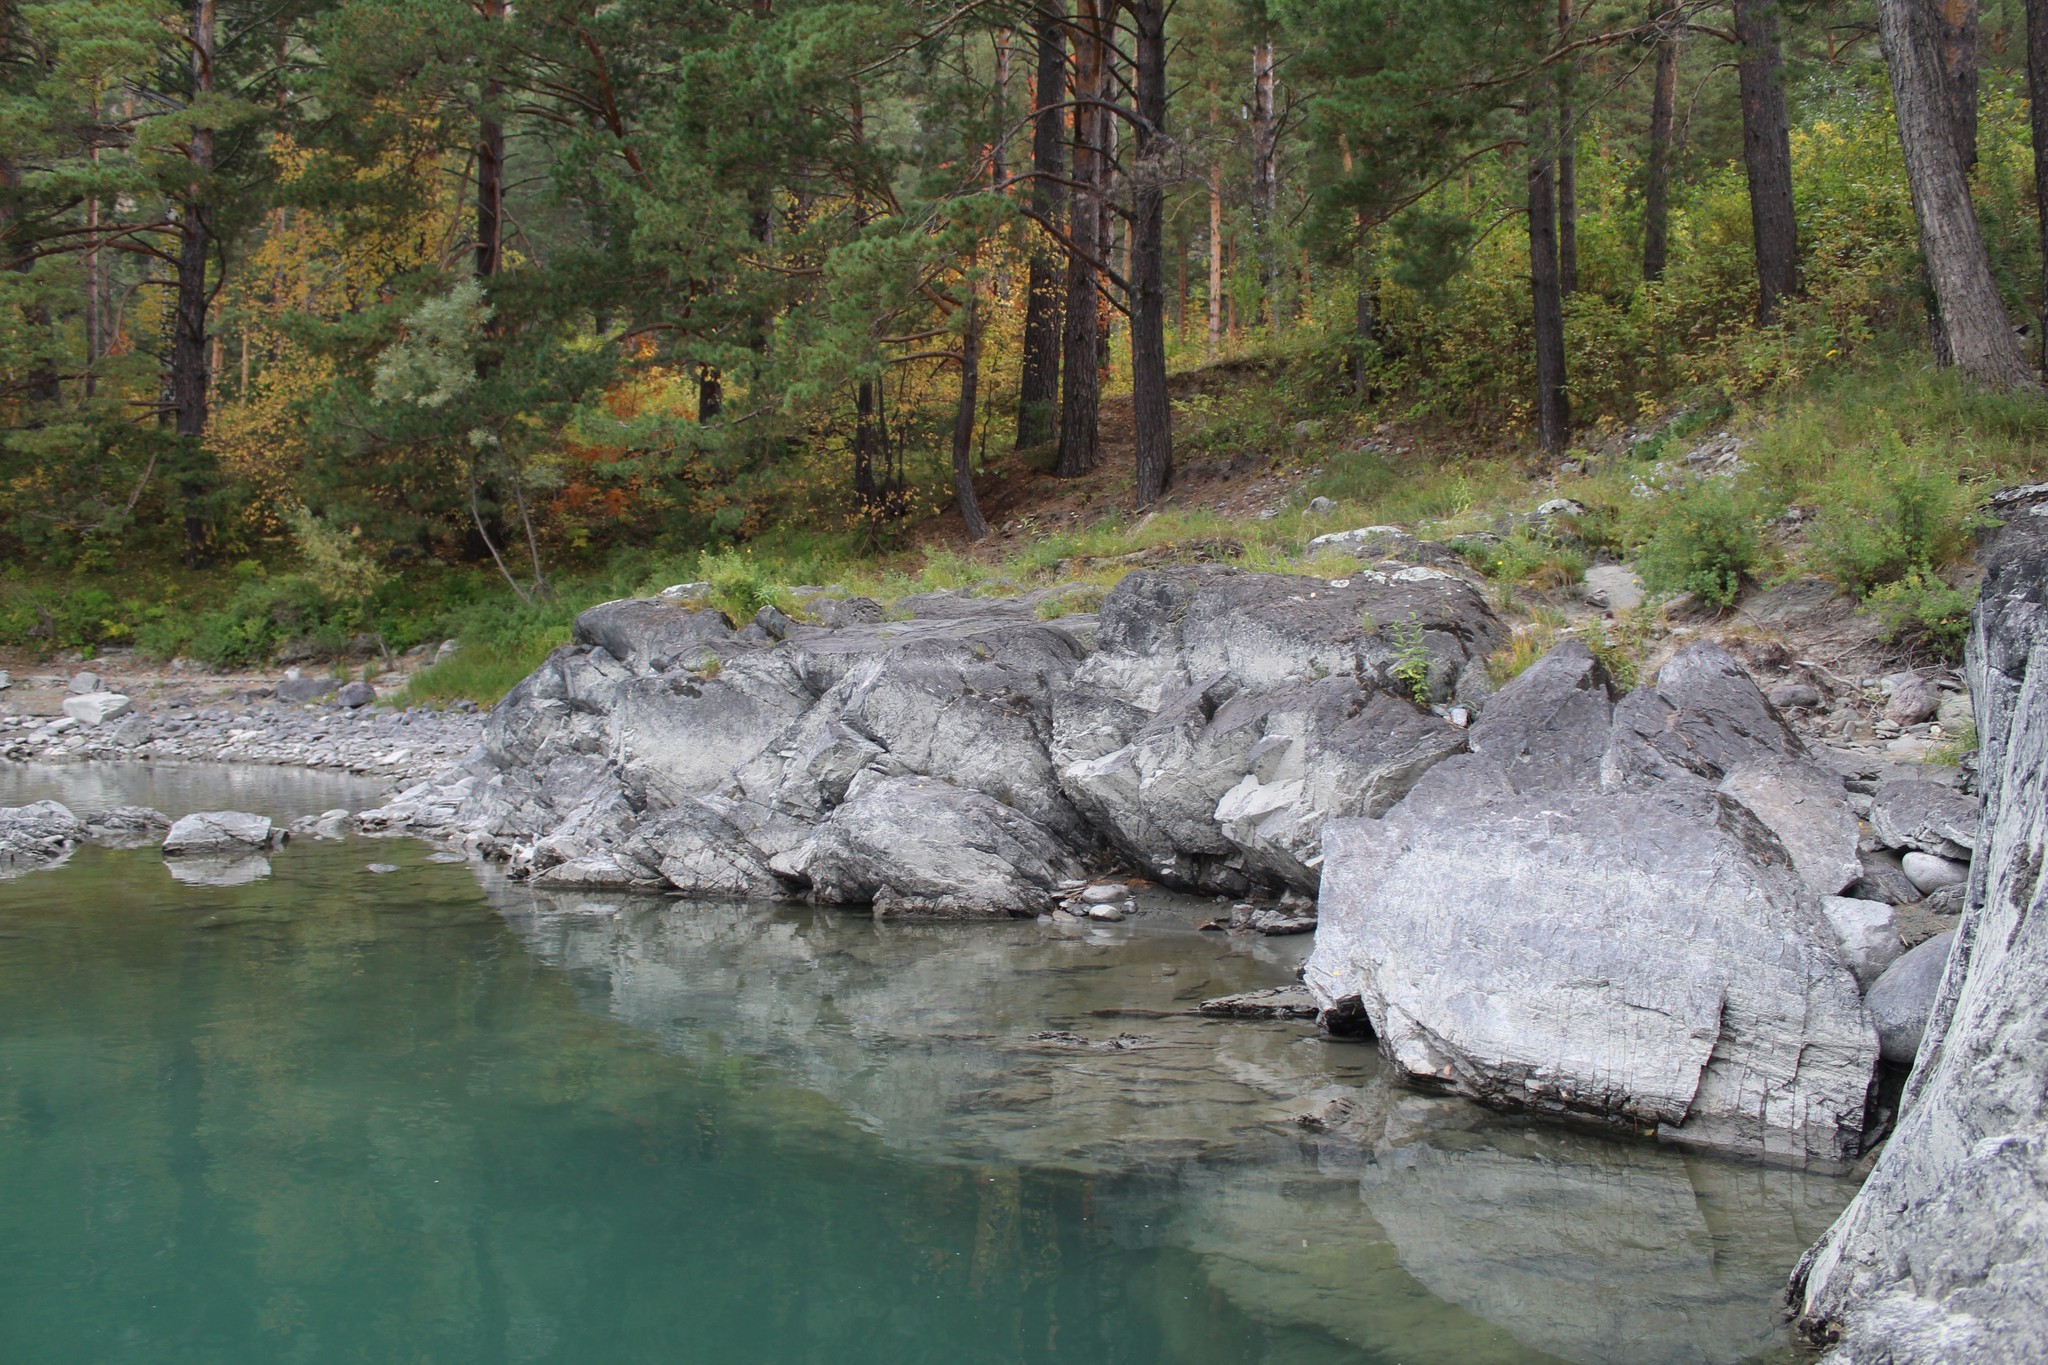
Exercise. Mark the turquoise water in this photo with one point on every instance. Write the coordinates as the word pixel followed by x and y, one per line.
pixel 427 1116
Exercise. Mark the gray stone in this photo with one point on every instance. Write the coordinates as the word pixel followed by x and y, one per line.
pixel 380 868
pixel 356 695
pixel 1941 1256
pixel 220 832
pixel 298 690
pixel 1901 999
pixel 83 684
pixel 1277 1002
pixel 328 824
pixel 1956 713
pixel 1104 892
pixel 447 650
pixel 1573 919
pixel 1927 816
pixel 6 680
pixel 1111 913
pixel 126 826
pixel 650 634
pixel 96 708
pixel 1930 873
pixel 835 612
pixel 1913 700
pixel 1375 540
pixel 921 848
pixel 1560 507
pixel 1788 696
pixel 132 730
pixel 35 836
pixel 1807 807
pixel 1867 934
pixel 1321 507
pixel 1884 879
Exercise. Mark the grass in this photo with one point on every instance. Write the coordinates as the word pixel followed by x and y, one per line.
pixel 1816 448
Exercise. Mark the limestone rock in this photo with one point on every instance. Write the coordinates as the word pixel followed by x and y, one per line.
pixel 1913 700
pixel 1575 918
pixel 221 832
pixel 921 848
pixel 1901 999
pixel 96 708
pixel 84 684
pixel 305 689
pixel 356 695
pixel 35 836
pixel 1927 816
pixel 1942 1254
pixel 1868 936
pixel 1930 873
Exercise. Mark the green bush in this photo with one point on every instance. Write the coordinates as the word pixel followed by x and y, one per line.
pixel 740 586
pixel 1526 558
pixel 1892 517
pixel 1704 543
pixel 1924 611
pixel 264 615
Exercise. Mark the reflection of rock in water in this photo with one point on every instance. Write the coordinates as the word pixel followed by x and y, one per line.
pixel 926 1032
pixel 1409 1226
pixel 217 871
pixel 1579 1247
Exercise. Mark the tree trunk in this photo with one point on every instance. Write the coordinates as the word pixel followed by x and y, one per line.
pixel 1767 154
pixel 1545 291
pixel 1151 411
pixel 1265 180
pixel 1038 387
pixel 1980 338
pixel 1080 393
pixel 1567 165
pixel 490 170
pixel 2037 101
pixel 1215 260
pixel 963 427
pixel 188 382
pixel 1657 193
pixel 1958 34
pixel 710 394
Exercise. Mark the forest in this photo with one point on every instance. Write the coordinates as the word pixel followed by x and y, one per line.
pixel 333 320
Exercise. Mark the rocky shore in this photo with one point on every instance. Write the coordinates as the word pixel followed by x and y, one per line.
pixel 1665 908
pixel 293 720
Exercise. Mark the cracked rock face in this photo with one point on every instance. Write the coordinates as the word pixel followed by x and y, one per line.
pixel 1943 1254
pixel 1582 916
pixel 962 762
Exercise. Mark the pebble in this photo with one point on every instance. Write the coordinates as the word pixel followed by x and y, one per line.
pixel 383 867
pixel 1930 873
pixel 1105 892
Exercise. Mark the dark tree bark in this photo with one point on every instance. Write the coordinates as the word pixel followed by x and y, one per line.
pixel 1980 338
pixel 2037 101
pixel 1080 393
pixel 963 426
pixel 1152 413
pixel 1767 154
pixel 1567 165
pixel 188 374
pixel 1657 192
pixel 710 394
pixel 1038 387
pixel 1958 35
pixel 1546 292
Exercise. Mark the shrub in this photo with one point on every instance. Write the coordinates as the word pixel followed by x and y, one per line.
pixel 1527 558
pixel 740 587
pixel 1704 543
pixel 1924 611
pixel 1893 517
pixel 264 614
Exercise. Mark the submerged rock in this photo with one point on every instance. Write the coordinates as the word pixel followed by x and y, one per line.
pixel 219 870
pixel 126 826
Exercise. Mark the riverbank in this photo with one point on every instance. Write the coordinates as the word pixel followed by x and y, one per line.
pixel 126 710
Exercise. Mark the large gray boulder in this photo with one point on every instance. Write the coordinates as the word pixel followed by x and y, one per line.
pixel 36 836
pixel 919 847
pixel 1943 1254
pixel 1578 918
pixel 221 833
